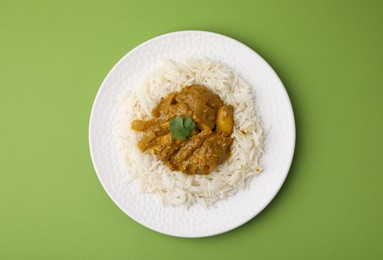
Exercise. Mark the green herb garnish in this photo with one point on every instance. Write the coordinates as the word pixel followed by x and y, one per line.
pixel 181 127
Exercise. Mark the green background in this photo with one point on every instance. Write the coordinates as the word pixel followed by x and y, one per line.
pixel 53 58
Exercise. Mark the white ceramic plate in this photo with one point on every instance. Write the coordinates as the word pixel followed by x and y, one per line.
pixel 272 104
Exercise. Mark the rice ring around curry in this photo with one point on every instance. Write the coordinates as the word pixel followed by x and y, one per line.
pixel 174 187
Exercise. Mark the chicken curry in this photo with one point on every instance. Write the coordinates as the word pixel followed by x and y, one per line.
pixel 190 131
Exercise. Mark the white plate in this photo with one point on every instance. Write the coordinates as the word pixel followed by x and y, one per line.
pixel 272 104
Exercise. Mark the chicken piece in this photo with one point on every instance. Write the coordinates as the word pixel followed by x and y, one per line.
pixel 163 107
pixel 189 147
pixel 142 126
pixel 214 151
pixel 151 134
pixel 202 102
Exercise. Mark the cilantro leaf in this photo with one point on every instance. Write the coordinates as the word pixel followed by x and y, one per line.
pixel 181 127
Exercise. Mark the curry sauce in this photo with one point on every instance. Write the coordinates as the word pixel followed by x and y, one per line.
pixel 209 142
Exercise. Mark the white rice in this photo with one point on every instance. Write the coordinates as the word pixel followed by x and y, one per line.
pixel 176 188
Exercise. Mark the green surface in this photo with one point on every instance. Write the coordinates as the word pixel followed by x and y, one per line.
pixel 53 58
